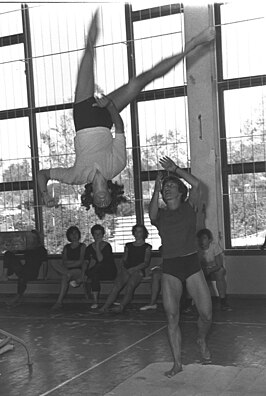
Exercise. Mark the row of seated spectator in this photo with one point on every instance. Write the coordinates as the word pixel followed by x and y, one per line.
pixel 82 265
pixel 89 265
pixel 95 263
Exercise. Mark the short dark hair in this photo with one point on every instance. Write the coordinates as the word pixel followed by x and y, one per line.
pixel 70 231
pixel 205 231
pixel 97 227
pixel 144 229
pixel 117 191
pixel 181 186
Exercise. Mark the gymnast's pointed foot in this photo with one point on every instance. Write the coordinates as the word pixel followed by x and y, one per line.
pixel 177 367
pixel 94 29
pixel 204 350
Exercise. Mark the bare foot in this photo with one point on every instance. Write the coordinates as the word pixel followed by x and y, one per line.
pixel 205 353
pixel 94 29
pixel 174 370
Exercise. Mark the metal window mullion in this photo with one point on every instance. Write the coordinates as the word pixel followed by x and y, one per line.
pixel 134 117
pixel 31 114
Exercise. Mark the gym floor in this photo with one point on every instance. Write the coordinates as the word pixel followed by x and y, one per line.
pixel 76 352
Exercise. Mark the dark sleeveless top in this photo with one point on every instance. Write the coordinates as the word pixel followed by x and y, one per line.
pixel 136 255
pixel 177 229
pixel 86 116
pixel 73 254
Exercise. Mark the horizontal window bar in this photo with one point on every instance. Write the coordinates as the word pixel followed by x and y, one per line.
pixel 11 40
pixel 248 167
pixel 157 12
pixel 16 186
pixel 243 82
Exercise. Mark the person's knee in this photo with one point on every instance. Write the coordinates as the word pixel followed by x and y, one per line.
pixel 173 319
pixel 206 315
pixel 65 278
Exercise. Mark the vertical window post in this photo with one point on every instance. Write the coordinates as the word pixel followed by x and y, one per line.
pixel 32 114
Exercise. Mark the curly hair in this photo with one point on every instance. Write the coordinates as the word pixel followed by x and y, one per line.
pixel 117 191
pixel 144 229
pixel 181 186
pixel 70 230
pixel 205 231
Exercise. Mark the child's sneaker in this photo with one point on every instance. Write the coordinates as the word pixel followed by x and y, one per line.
pixel 147 307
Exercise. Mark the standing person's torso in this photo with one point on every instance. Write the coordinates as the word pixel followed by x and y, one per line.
pixel 177 228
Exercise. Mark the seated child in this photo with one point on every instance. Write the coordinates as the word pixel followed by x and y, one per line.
pixel 136 258
pixel 33 257
pixel 72 268
pixel 211 259
pixel 101 264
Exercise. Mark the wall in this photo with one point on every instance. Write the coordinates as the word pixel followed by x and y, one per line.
pixel 246 274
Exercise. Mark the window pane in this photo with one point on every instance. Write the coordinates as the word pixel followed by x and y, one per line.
pixel 70 212
pixel 16 210
pixel 59 33
pixel 156 39
pixel 163 131
pixel 56 138
pixel 245 124
pixel 247 195
pixel 243 32
pixel 10 19
pixel 12 77
pixel 15 155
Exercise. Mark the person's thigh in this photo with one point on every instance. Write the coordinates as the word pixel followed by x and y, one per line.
pixel 199 291
pixel 171 291
pixel 76 275
pixel 134 279
pixel 121 279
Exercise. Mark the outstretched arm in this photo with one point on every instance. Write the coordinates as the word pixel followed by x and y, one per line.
pixel 43 177
pixel 195 191
pixel 154 204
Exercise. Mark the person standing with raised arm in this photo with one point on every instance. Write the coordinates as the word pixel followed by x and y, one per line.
pixel 177 228
pixel 99 156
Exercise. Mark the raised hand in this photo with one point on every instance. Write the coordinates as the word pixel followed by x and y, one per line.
pixel 168 164
pixel 49 201
pixel 158 182
pixel 102 101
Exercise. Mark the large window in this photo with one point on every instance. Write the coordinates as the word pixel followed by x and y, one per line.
pixel 40 50
pixel 242 100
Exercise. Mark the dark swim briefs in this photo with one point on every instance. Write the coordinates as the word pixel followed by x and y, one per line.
pixel 88 116
pixel 182 267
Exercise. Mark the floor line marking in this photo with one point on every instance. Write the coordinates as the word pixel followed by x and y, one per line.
pixel 102 362
pixel 110 319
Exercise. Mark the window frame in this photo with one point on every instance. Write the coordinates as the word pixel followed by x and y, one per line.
pixel 229 168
